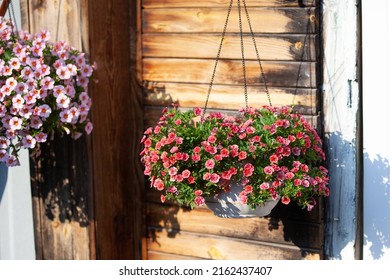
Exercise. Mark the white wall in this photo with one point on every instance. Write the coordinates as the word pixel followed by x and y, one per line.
pixel 16 221
pixel 376 127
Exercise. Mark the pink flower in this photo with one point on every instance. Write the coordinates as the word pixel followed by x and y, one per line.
pixel 162 198
pixel 264 186
pixel 268 170
pixel 214 178
pixel 199 200
pixel 289 175
pixel 297 182
pixel 172 171
pixel 186 173
pixel 206 176
pixel 212 139
pixel 248 189
pixel 285 200
pixel 304 168
pixel 191 180
pixel 273 158
pixel 158 184
pixel 198 192
pixel 242 155
pixel 224 152
pixel 198 111
pixel 195 157
pixel 88 127
pixel 248 170
pixel 210 164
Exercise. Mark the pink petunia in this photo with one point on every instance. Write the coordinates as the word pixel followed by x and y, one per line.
pixel 264 186
pixel 158 184
pixel 242 155
pixel 210 164
pixel 268 170
pixel 285 200
pixel 214 178
pixel 199 200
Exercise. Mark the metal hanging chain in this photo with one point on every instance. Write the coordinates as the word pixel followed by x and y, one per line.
pixel 257 54
pixel 242 55
pixel 218 56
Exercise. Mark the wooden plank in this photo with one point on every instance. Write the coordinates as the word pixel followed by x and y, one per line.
pixel 267 229
pixel 228 97
pixel 152 255
pixel 60 200
pixel 282 74
pixel 225 3
pixel 288 212
pixel 199 20
pixel 216 247
pixel 61 176
pixel 117 117
pixel 281 47
pixel 152 115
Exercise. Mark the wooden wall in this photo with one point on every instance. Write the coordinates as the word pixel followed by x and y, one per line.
pixel 179 43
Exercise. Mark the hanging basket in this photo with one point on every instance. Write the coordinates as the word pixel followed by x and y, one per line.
pixel 229 205
pixel 193 158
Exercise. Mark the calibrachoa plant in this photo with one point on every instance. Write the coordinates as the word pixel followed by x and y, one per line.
pixel 43 89
pixel 272 152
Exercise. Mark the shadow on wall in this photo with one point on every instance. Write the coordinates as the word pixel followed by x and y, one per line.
pixel 340 226
pixel 376 205
pixel 3 179
pixel 59 179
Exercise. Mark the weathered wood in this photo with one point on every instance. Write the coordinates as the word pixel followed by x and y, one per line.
pixel 60 187
pixel 288 212
pixel 282 74
pixel 225 3
pixel 216 247
pixel 4 6
pixel 202 220
pixel 208 20
pixel 179 44
pixel 61 177
pixel 117 116
pixel 282 47
pixel 228 97
pixel 152 115
pixel 152 255
pixel 341 106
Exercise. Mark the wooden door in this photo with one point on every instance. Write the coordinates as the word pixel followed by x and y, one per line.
pixel 179 40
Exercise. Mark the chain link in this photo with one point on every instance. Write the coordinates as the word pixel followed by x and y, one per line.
pixel 217 58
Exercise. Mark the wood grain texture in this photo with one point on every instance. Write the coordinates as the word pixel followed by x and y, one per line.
pixel 152 255
pixel 216 247
pixel 180 42
pixel 225 3
pixel 61 180
pixel 282 47
pixel 266 229
pixel 152 115
pixel 117 116
pixel 229 72
pixel 228 97
pixel 206 20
